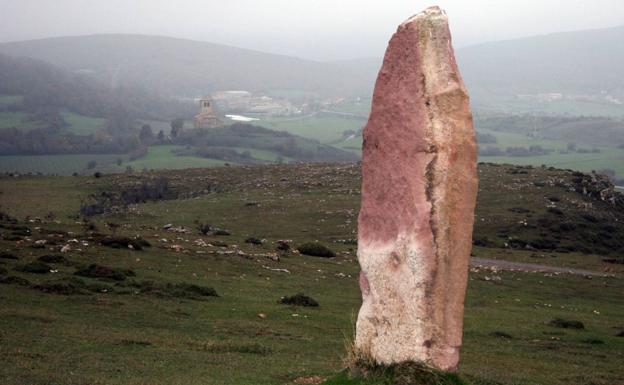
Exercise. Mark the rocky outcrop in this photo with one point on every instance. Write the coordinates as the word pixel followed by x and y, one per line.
pixel 419 189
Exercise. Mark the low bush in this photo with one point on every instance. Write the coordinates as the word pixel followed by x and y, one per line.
pixel 34 268
pixel 63 287
pixel 566 324
pixel 13 280
pixel 554 210
pixel 177 290
pixel 52 259
pixel 103 272
pixel 544 244
pixel 299 300
pixel 592 341
pixel 125 243
pixel 589 218
pixel 204 228
pixel 499 334
pixel 316 250
pixel 6 255
pixel 253 241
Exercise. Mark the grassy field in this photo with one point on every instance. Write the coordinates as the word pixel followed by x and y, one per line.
pixel 7 100
pixel 163 158
pixel 124 331
pixel 559 107
pixel 19 120
pixel 83 125
pixel 263 155
pixel 608 157
pixel 53 164
pixel 324 127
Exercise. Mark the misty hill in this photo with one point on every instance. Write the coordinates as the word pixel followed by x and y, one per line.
pixel 45 109
pixel 515 75
pixel 45 86
pixel 585 131
pixel 580 62
pixel 178 67
pixel 586 67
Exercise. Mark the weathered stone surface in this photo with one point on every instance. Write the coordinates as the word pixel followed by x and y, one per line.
pixel 419 190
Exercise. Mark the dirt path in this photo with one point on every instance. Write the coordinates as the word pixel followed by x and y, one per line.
pixel 532 268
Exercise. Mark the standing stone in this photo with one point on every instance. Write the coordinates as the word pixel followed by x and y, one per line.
pixel 419 188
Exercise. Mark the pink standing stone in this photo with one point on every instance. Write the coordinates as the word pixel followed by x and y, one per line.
pixel 419 191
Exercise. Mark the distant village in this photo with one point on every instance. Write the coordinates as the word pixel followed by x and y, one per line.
pixel 241 105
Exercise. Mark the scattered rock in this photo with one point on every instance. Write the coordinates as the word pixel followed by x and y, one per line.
pixel 283 245
pixel 309 380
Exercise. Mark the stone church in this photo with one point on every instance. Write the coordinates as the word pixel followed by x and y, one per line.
pixel 206 118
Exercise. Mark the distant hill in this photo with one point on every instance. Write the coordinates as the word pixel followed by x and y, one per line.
pixel 586 67
pixel 46 86
pixel 178 67
pixel 577 72
pixel 45 109
pixel 579 62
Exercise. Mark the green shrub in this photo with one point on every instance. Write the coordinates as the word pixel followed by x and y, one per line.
pixel 177 290
pixel 299 300
pixel 316 250
pixel 253 241
pixel 124 243
pixel 64 287
pixel 566 324
pixel 98 271
pixel 52 259
pixel 5 255
pixel 35 268
pixel 13 280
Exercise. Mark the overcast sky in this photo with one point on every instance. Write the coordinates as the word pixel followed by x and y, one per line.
pixel 315 29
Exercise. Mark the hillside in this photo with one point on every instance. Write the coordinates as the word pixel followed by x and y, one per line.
pixel 511 75
pixel 581 62
pixel 48 87
pixel 196 298
pixel 178 67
